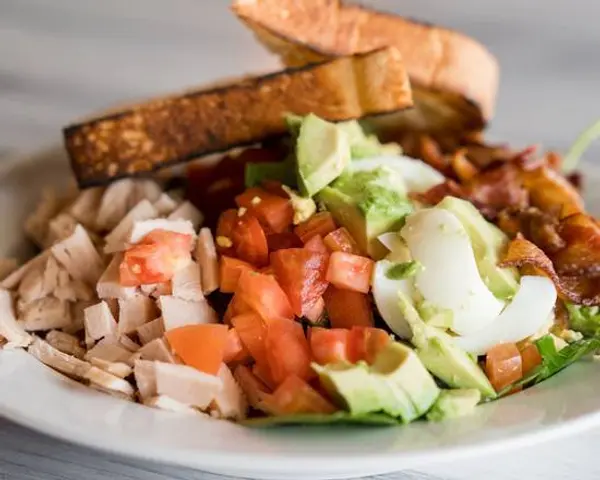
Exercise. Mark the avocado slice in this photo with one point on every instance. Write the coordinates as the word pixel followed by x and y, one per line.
pixel 488 243
pixel 322 154
pixel 441 356
pixel 363 145
pixel 454 404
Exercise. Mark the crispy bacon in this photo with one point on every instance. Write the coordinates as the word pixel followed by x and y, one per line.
pixel 581 254
pixel 551 192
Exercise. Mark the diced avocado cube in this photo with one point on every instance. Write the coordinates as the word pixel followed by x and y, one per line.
pixel 454 404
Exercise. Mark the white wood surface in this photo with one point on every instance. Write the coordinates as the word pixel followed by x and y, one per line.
pixel 60 59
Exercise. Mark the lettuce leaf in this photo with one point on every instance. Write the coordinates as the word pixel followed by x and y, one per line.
pixel 344 418
pixel 584 319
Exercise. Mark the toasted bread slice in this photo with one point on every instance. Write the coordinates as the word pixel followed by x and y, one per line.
pixel 162 132
pixel 454 78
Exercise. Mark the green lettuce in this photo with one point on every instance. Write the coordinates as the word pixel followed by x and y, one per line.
pixel 584 319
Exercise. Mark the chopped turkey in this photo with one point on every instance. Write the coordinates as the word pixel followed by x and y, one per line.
pixel 109 286
pixel 165 205
pixel 67 364
pixel 78 316
pixel 99 321
pixel 145 378
pixel 31 287
pixel 163 402
pixel 12 280
pixel 115 203
pixel 186 285
pixel 45 314
pixel 143 227
pixel 71 289
pixel 156 290
pixel 10 329
pixel 110 350
pixel 52 275
pixel 151 330
pixel 206 256
pixel 230 401
pixel 187 211
pixel 36 224
pixel 116 240
pixel 148 189
pixel 157 349
pixel 128 343
pixel 85 207
pixel 7 266
pixel 65 343
pixel 105 382
pixel 79 256
pixel 134 312
pixel 118 369
pixel 59 228
pixel 186 384
pixel 177 312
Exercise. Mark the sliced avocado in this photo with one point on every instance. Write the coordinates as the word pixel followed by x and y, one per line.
pixel 441 356
pixel 363 145
pixel 435 316
pixel 488 243
pixel 322 154
pixel 368 203
pixel 454 404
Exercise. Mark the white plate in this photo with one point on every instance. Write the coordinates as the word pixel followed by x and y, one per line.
pixel 35 396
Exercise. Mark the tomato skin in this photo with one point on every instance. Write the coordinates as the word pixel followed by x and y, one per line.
pixel 236 306
pixel 316 245
pixel 225 226
pixel 329 345
pixel 274 187
pixel 273 212
pixel 235 351
pixel 249 240
pixel 264 296
pixel 340 240
pixel 530 357
pixel 350 272
pixel 321 223
pixel 294 396
pixel 347 309
pixel 252 331
pixel 200 346
pixel 301 274
pixel 503 365
pixel 281 241
pixel 177 242
pixel 287 351
pixel 364 343
pixel 230 271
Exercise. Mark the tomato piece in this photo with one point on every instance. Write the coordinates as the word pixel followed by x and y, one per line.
pixel 503 365
pixel 230 271
pixel 340 240
pixel 347 309
pixel 321 223
pixel 237 306
pixel 273 212
pixel 145 264
pixel 351 272
pixel 179 243
pixel 268 270
pixel 530 357
pixel 287 351
pixel 316 245
pixel 315 314
pixel 235 351
pixel 364 343
pixel 281 241
pixel 329 345
pixel 294 396
pixel 249 240
pixel 263 373
pixel 254 389
pixel 200 346
pixel 225 225
pixel 264 296
pixel 275 187
pixel 301 274
pixel 252 331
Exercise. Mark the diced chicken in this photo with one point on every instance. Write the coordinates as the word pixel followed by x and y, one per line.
pixel 31 287
pixel 106 382
pixel 230 401
pixel 134 312
pixel 128 343
pixel 79 256
pixel 116 240
pixel 85 207
pixel 145 378
pixel 72 290
pixel 113 304
pixel 59 228
pixel 110 350
pixel 78 316
pixel 147 189
pixel 99 321
pixel 163 402
pixel 206 256
pixel 109 286
pixel 67 364
pixel 10 329
pixel 115 204
pixel 65 343
pixel 157 349
pixel 7 266
pixel 45 314
pixel 151 330
pixel 156 290
pixel 186 285
pixel 36 225
pixel 186 384
pixel 165 205
pixel 142 228
pixel 177 312
pixel 118 369
pixel 12 280
pixel 187 211
pixel 52 274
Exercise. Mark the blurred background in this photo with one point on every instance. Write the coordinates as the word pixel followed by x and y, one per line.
pixel 63 59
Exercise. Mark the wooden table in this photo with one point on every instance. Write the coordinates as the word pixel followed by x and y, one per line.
pixel 63 59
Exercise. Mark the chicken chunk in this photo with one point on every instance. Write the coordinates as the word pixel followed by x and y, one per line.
pixel 186 285
pixel 186 384
pixel 85 207
pixel 14 278
pixel 115 204
pixel 145 378
pixel 177 312
pixel 163 402
pixel 142 228
pixel 206 256
pixel 146 189
pixel 108 383
pixel 156 290
pixel 157 349
pixel 165 205
pixel 45 314
pixel 134 312
pixel 109 286
pixel 60 227
pixel 79 257
pixel 116 240
pixel 10 329
pixel 150 331
pixel 36 225
pixel 187 211
pixel 118 369
pixel 230 401
pixel 72 290
pixel 99 321
pixel 109 350
pixel 78 316
pixel 66 364
pixel 65 343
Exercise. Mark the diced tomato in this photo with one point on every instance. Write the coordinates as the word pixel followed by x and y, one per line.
pixel 347 309
pixel 273 212
pixel 177 242
pixel 225 226
pixel 351 272
pixel 530 357
pixel 255 390
pixel 340 240
pixel 268 270
pixel 316 245
pixel 275 187
pixel 287 351
pixel 315 314
pixel 263 373
pixel 252 331
pixel 263 295
pixel 294 396
pixel 329 345
pixel 200 346
pixel 249 240
pixel 364 343
pixel 237 306
pixel 321 223
pixel 301 274
pixel 281 241
pixel 503 365
pixel 235 351
pixel 145 264
pixel 230 271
